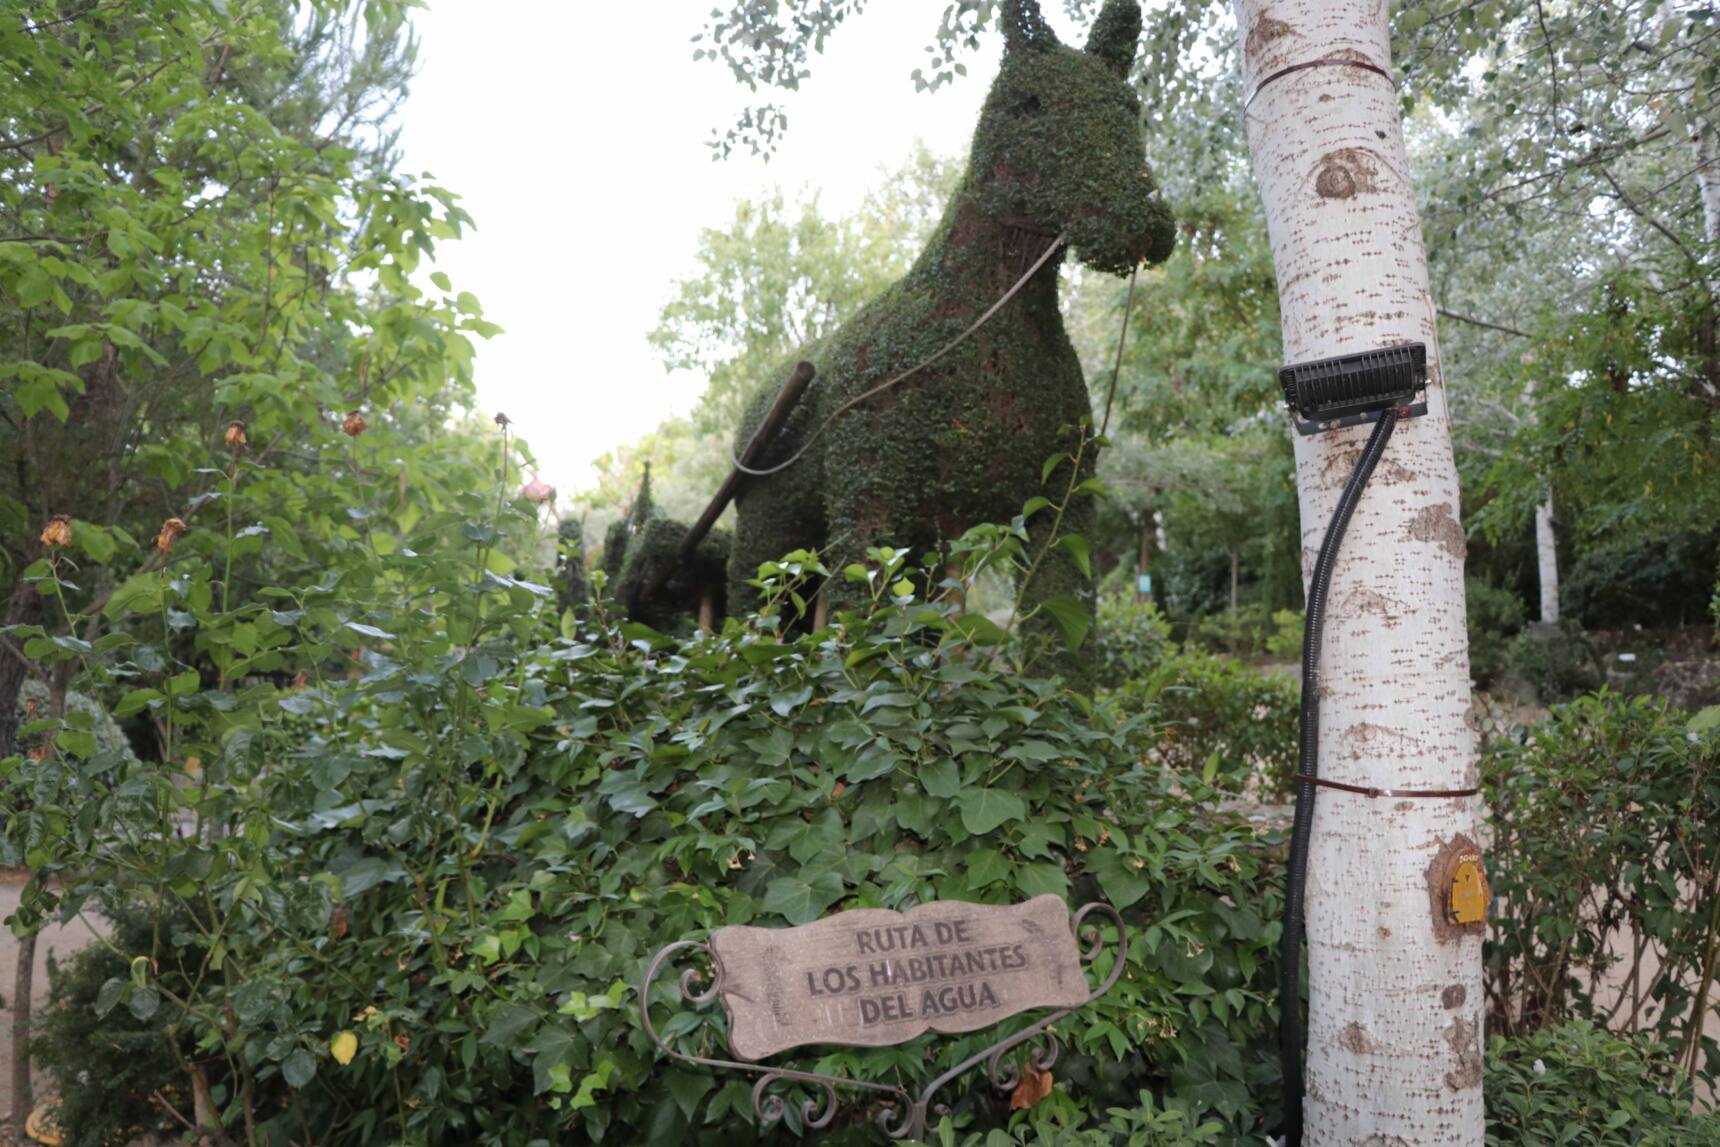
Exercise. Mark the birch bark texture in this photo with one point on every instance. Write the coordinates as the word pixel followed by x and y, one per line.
pixel 1395 1037
pixel 1547 561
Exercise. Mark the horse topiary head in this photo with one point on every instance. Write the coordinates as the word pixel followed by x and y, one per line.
pixel 1058 147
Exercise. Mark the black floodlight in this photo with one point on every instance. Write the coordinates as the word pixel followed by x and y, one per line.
pixel 1353 389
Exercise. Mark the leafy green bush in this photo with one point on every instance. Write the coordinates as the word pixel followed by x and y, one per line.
pixel 1580 1085
pixel 1217 719
pixel 1496 617
pixel 1143 1124
pixel 1606 822
pixel 1240 632
pixel 1642 579
pixel 1555 667
pixel 1286 641
pixel 455 835
pixel 1133 637
pixel 108 1062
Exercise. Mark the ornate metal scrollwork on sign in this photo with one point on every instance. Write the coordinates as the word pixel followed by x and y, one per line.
pixel 972 964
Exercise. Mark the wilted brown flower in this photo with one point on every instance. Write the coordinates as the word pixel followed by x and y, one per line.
pixel 170 531
pixel 235 437
pixel 58 532
pixel 354 425
pixel 503 420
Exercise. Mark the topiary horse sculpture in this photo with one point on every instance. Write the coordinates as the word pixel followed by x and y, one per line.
pixel 1057 152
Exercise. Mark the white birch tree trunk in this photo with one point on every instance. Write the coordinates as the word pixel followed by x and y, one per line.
pixel 1705 141
pixel 1547 561
pixel 1394 1039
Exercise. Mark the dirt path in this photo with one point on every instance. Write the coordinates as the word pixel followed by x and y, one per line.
pixel 62 941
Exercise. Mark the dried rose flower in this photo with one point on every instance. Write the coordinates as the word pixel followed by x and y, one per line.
pixel 354 425
pixel 58 532
pixel 170 531
pixel 235 437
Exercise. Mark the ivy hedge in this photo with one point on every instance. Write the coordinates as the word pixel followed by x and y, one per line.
pixel 432 865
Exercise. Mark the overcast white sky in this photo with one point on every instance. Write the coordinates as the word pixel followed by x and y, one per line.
pixel 576 134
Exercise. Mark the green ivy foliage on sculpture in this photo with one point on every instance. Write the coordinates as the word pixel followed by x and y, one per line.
pixel 1057 151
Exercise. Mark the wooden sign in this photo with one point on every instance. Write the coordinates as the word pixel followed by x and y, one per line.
pixel 873 977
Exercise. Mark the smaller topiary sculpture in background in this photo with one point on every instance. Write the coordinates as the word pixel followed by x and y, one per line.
pixel 646 573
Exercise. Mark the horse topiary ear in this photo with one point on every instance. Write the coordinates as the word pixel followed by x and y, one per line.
pixel 1115 34
pixel 1024 26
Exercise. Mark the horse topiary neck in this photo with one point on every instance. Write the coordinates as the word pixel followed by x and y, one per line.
pixel 977 252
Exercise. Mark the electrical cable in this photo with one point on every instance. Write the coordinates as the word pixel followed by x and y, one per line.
pixel 1290 1034
pixel 1122 341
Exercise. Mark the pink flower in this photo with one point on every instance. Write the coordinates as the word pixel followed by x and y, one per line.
pixel 537 490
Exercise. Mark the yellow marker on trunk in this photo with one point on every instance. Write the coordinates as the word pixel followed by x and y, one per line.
pixel 1468 903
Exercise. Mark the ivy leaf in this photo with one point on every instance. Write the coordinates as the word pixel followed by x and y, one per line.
pixel 941 779
pixel 592 1083
pixel 627 794
pixel 986 809
pixel 1071 617
pixel 1076 547
pixel 801 901
pixel 688 1088
pixel 1039 879
pixel 1121 882
pixel 976 628
pixel 1034 750
pixel 985 867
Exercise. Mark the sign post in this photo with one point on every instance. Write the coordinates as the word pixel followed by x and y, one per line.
pixel 872 977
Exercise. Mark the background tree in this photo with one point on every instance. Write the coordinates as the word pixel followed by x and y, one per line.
pixel 206 249
pixel 782 275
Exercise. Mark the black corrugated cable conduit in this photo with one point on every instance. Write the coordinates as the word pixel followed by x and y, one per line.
pixel 1290 1034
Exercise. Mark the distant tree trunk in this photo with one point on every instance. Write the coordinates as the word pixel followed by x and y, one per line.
pixel 1143 563
pixel 24 975
pixel 1547 560
pixel 1394 1039
pixel 1235 564
pixel 1705 139
pixel 21 609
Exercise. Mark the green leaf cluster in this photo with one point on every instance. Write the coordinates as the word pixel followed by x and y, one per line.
pixel 1604 847
pixel 393 788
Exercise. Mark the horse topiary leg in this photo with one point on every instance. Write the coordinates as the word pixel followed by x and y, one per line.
pixel 769 523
